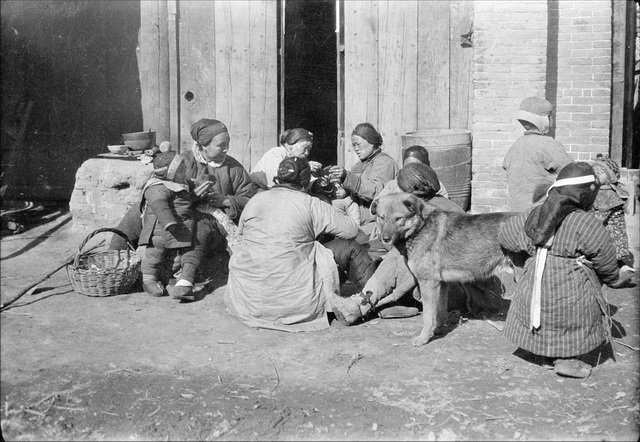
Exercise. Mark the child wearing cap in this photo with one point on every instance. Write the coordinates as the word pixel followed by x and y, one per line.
pixel 609 208
pixel 167 195
pixel 534 159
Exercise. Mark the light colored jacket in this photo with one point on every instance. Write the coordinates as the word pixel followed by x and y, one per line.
pixel 266 169
pixel 280 277
pixel 532 164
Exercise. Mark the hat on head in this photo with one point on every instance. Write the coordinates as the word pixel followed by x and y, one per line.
pixel 418 152
pixel 575 188
pixel 295 171
pixel 369 133
pixel 204 130
pixel 419 179
pixel 170 166
pixel 536 105
pixel 611 168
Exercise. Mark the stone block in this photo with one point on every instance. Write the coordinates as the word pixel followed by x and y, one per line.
pixel 105 189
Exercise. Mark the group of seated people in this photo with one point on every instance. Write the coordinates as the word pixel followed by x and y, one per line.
pixel 304 229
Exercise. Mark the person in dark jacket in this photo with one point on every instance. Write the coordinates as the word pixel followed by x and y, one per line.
pixel 559 309
pixel 167 195
pixel 230 192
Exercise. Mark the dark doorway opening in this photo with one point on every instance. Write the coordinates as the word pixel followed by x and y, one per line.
pixel 310 86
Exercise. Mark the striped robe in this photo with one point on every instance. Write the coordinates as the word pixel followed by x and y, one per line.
pixel 572 304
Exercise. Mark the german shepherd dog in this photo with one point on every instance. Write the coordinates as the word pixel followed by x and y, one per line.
pixel 440 247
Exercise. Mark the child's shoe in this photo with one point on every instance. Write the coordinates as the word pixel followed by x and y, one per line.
pixel 154 288
pixel 182 293
pixel 626 273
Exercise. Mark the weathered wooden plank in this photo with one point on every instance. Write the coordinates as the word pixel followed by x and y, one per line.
pixel 397 86
pixel 460 65
pixel 263 53
pixel 361 70
pixel 174 80
pixel 433 65
pixel 197 53
pixel 232 77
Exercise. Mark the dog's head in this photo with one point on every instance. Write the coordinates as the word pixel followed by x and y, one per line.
pixel 399 216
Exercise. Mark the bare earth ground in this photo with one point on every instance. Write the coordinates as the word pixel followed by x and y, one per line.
pixel 132 367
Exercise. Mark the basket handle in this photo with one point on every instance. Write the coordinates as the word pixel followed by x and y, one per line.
pixel 94 233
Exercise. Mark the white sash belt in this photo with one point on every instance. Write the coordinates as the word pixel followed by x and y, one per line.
pixel 541 259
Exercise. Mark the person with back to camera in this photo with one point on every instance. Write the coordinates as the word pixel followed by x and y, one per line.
pixel 296 142
pixel 559 310
pixel 367 178
pixel 533 161
pixel 412 154
pixel 609 208
pixel 280 276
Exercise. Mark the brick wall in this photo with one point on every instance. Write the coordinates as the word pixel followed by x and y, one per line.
pixel 510 47
pixel 558 49
pixel 582 91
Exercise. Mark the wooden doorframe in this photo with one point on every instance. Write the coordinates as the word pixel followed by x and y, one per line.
pixel 622 76
pixel 340 145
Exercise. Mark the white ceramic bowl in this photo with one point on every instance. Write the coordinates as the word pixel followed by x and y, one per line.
pixel 118 148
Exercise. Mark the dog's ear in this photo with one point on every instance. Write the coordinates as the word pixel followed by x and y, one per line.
pixel 374 207
pixel 413 204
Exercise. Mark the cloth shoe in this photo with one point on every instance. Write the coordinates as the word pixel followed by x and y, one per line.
pixel 182 293
pixel 398 311
pixel 154 288
pixel 572 368
pixel 624 277
pixel 346 309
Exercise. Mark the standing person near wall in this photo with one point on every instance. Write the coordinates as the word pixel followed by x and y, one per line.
pixel 533 161
pixel 367 178
pixel 296 142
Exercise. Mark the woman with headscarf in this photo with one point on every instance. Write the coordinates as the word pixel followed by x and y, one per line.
pixel 280 276
pixel 231 190
pixel 412 154
pixel 533 161
pixel 559 310
pixel 296 142
pixel 367 178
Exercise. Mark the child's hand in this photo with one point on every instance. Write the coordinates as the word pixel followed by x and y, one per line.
pixel 203 189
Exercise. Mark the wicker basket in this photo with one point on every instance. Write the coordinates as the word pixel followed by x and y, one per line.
pixel 107 273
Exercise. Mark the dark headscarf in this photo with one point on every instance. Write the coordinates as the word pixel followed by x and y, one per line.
pixel 418 152
pixel 204 130
pixel 292 136
pixel 575 189
pixel 369 133
pixel 294 171
pixel 419 179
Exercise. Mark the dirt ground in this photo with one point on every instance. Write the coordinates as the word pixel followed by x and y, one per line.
pixel 132 367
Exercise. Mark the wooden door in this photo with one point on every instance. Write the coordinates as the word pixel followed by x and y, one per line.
pixel 406 67
pixel 219 60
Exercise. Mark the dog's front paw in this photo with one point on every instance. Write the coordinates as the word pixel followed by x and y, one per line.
pixel 419 341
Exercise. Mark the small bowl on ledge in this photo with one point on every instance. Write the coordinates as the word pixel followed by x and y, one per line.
pixel 118 148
